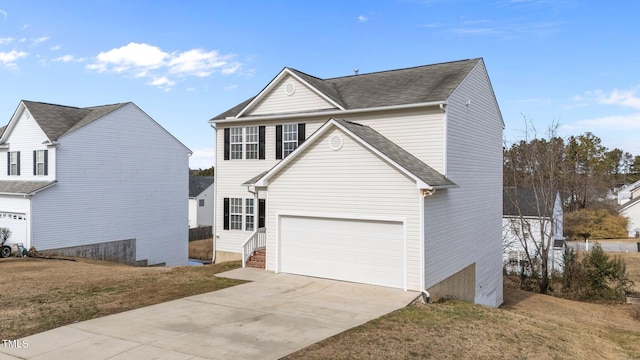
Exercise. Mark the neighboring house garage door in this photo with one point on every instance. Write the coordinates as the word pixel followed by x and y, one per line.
pixel 17 223
pixel 361 251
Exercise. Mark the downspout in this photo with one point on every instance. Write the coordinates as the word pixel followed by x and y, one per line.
pixel 443 107
pixel 215 194
pixel 424 193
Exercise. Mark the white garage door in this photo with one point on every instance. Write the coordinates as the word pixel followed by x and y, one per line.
pixel 361 251
pixel 17 223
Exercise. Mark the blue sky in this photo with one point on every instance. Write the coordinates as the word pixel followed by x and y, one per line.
pixel 183 62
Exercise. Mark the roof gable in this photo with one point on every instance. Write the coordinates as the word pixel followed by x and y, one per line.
pixel 58 120
pixel 424 176
pixel 285 86
pixel 198 184
pixel 524 202
pixel 401 87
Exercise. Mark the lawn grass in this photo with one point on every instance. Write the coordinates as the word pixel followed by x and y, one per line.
pixel 41 294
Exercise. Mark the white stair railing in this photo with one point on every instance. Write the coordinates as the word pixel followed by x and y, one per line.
pixel 257 240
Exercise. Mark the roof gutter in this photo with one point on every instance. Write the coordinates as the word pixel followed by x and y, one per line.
pixel 328 112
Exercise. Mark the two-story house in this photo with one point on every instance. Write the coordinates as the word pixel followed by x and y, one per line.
pixel 104 182
pixel 200 201
pixel 628 200
pixel 532 223
pixel 391 178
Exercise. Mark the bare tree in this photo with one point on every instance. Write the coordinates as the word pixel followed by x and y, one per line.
pixel 533 175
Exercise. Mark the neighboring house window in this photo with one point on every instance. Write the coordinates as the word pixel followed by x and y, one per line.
pixel 201 202
pixel 13 163
pixel 249 215
pixel 40 162
pixel 251 139
pixel 288 138
pixel 236 143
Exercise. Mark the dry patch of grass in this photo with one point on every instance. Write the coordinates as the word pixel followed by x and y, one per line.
pixel 201 249
pixel 632 259
pixel 41 294
pixel 527 326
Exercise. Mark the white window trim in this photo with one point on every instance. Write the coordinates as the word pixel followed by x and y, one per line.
pixel 13 155
pixel 235 204
pixel 40 161
pixel 249 214
pixel 255 133
pixel 234 143
pixel 288 129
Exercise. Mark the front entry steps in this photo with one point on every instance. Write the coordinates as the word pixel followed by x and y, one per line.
pixel 257 259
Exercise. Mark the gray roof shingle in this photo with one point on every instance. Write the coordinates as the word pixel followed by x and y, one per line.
pixel 22 187
pixel 197 184
pixel 397 154
pixel 516 202
pixel 58 120
pixel 421 84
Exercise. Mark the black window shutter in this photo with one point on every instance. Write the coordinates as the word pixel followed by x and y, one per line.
pixel 261 212
pixel 301 134
pixel 8 163
pixel 35 160
pixel 226 214
pixel 261 139
pixel 227 141
pixel 46 162
pixel 278 141
pixel 18 154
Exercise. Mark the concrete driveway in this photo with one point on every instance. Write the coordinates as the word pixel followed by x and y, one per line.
pixel 270 317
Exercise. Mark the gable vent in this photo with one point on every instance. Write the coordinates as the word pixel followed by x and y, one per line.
pixel 289 88
pixel 335 142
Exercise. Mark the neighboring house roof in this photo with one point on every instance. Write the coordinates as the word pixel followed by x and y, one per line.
pixel 628 204
pixel 23 187
pixel 58 120
pixel 425 176
pixel 2 129
pixel 524 202
pixel 198 184
pixel 421 84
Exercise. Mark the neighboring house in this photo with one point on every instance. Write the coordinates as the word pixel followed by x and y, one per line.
pixel 103 182
pixel 527 221
pixel 391 178
pixel 628 206
pixel 201 201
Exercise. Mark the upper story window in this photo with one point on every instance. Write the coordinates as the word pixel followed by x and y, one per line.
pixel 40 162
pixel 244 143
pixel 13 163
pixel 251 140
pixel 236 143
pixel 288 138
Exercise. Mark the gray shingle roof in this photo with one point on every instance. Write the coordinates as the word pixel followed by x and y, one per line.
pixel 397 154
pixel 22 187
pixel 197 184
pixel 516 202
pixel 58 120
pixel 420 84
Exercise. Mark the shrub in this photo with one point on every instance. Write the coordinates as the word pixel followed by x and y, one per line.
pixel 596 277
pixel 595 223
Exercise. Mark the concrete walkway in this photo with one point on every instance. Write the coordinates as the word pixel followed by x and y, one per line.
pixel 270 317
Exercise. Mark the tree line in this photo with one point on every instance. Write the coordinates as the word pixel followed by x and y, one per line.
pixel 579 167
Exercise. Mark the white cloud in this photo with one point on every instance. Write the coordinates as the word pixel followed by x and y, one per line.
pixel 8 59
pixel 56 48
pixel 362 18
pixel 39 40
pixel 6 41
pixel 202 158
pixel 626 122
pixel 4 14
pixel 69 58
pixel 147 61
pixel 231 87
pixel 625 98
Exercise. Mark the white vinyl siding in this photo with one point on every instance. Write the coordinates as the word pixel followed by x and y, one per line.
pixel 464 225
pixel 278 101
pixel 137 189
pixel 349 183
pixel 420 132
pixel 26 137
